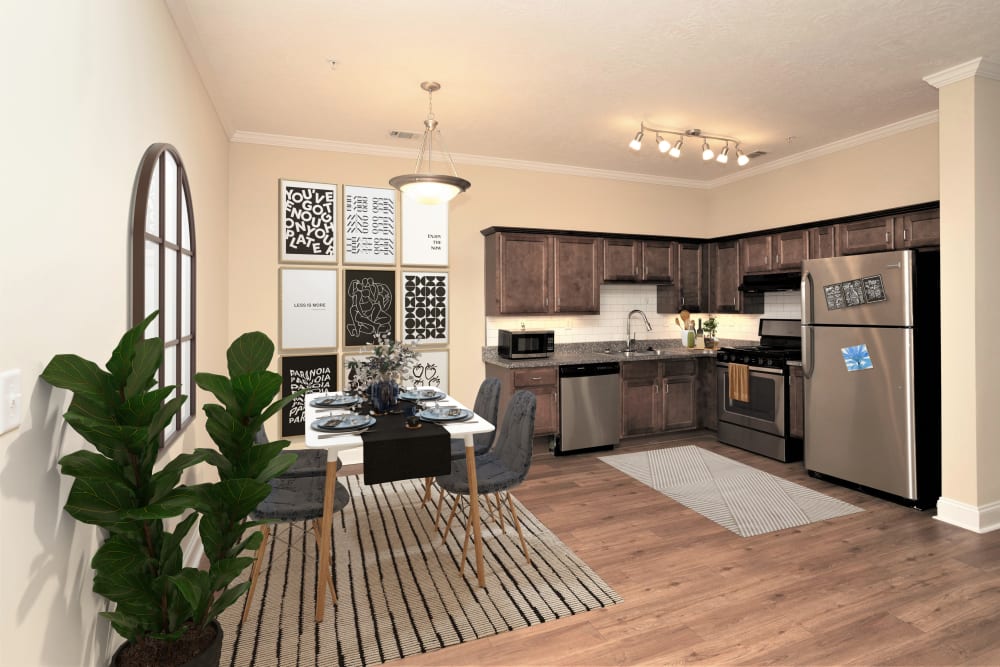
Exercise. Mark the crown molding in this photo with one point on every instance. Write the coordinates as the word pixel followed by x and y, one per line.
pixel 978 67
pixel 928 118
pixel 285 141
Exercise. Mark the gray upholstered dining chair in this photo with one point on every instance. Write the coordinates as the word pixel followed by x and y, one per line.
pixel 310 462
pixel 500 469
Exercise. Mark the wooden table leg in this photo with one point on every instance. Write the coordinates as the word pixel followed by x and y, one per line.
pixel 325 543
pixel 477 534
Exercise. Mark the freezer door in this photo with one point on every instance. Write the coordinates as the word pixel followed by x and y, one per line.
pixel 860 423
pixel 831 289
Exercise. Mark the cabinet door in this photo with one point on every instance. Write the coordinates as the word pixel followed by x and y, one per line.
pixel 865 236
pixel 689 276
pixel 918 230
pixel 642 408
pixel 679 398
pixel 823 242
pixel 577 274
pixel 725 263
pixel 790 248
pixel 796 403
pixel 546 409
pixel 657 261
pixel 756 254
pixel 621 259
pixel 522 271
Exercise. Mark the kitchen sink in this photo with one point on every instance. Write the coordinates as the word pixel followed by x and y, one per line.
pixel 635 353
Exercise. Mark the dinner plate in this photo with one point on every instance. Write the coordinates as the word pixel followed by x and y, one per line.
pixel 335 401
pixel 445 414
pixel 422 395
pixel 342 423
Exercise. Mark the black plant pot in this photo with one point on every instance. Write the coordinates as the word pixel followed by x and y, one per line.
pixel 210 657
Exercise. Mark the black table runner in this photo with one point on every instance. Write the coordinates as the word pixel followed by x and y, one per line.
pixel 393 452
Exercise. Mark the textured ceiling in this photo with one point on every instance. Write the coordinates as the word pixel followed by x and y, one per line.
pixel 568 82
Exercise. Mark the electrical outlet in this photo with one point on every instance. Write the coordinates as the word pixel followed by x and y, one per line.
pixel 10 400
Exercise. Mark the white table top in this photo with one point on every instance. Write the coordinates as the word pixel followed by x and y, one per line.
pixel 337 443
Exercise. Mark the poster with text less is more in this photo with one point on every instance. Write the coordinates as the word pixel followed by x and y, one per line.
pixel 308 308
pixel 425 233
pixel 308 222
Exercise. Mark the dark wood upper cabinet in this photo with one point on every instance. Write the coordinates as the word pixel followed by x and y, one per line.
pixel 756 254
pixel 621 259
pixel 690 282
pixel 517 279
pixel 861 236
pixel 577 271
pixel 918 230
pixel 823 242
pixel 657 261
pixel 790 248
pixel 724 293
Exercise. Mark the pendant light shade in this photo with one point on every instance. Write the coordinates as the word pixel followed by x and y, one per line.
pixel 423 186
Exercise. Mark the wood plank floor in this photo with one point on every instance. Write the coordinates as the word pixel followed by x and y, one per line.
pixel 887 586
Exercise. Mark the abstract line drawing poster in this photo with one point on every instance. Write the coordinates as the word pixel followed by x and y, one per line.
pixel 425 307
pixel 370 306
pixel 308 222
pixel 308 308
pixel 369 225
pixel 431 369
pixel 425 233
pixel 314 372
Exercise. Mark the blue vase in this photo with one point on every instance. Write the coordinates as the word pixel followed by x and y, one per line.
pixel 383 395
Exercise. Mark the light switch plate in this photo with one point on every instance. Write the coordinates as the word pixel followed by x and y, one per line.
pixel 10 400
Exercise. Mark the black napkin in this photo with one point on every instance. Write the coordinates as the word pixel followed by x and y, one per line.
pixel 393 452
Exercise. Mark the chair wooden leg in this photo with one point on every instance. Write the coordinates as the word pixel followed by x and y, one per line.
pixel 437 515
pixel 489 507
pixel 465 546
pixel 503 528
pixel 265 530
pixel 451 517
pixel 428 483
pixel 329 576
pixel 517 524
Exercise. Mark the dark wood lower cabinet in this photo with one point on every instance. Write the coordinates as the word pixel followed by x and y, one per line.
pixel 543 382
pixel 659 396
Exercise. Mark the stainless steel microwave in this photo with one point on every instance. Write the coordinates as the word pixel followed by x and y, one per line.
pixel 526 344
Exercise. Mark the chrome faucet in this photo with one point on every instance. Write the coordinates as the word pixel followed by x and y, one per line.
pixel 629 338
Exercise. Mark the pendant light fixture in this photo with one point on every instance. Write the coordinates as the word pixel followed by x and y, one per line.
pixel 424 186
pixel 706 149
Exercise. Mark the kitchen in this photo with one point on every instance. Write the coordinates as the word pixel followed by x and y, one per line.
pixel 916 157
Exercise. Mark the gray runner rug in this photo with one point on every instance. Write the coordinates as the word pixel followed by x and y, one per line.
pixel 742 499
pixel 398 587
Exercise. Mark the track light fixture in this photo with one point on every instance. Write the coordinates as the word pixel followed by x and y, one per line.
pixel 675 151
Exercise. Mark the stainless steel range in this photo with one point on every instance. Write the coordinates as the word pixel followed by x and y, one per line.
pixel 753 391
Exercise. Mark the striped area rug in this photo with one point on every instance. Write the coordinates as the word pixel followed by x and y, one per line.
pixel 398 587
pixel 742 499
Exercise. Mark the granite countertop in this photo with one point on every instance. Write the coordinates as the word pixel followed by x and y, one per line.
pixel 592 353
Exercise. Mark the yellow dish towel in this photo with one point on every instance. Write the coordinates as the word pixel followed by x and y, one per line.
pixel 739 383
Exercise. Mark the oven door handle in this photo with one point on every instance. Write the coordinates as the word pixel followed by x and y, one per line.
pixel 754 369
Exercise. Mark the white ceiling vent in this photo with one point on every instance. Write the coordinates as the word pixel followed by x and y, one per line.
pixel 404 134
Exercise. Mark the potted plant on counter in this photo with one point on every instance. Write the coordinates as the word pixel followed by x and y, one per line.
pixel 710 326
pixel 164 610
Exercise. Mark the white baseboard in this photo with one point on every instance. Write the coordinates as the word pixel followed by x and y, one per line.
pixel 979 519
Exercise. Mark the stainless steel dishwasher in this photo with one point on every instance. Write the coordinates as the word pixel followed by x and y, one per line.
pixel 589 406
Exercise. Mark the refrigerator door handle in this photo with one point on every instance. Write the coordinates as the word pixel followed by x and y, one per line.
pixel 807 318
pixel 806 292
pixel 807 351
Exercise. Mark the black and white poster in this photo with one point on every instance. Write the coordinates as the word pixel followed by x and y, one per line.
pixel 308 222
pixel 431 370
pixel 308 308
pixel 369 306
pixel 369 225
pixel 425 233
pixel 425 307
pixel 857 292
pixel 315 372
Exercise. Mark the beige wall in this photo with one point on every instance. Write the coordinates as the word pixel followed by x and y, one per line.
pixel 894 171
pixel 498 197
pixel 87 86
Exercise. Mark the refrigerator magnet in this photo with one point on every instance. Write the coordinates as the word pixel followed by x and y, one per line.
pixel 856 357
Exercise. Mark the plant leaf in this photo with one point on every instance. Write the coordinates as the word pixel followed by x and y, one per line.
pixel 91 466
pixel 254 392
pixel 220 387
pixel 228 597
pixel 80 376
pixel 101 502
pixel 120 363
pixel 145 362
pixel 195 586
pixel 119 555
pixel 249 353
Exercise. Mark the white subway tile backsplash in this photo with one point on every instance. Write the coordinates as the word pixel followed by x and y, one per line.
pixel 616 302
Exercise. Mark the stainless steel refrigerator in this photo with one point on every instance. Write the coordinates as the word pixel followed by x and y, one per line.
pixel 871 357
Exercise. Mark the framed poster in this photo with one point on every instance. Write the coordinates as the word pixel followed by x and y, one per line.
pixel 369 225
pixel 370 306
pixel 425 233
pixel 314 372
pixel 432 369
pixel 308 308
pixel 425 307
pixel 308 222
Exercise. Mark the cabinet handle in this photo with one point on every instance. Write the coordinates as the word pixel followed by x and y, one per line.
pixel 887 237
pixel 682 299
pixel 904 233
pixel 536 379
pixel 776 262
pixel 666 389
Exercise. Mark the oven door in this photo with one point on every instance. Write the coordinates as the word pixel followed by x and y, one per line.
pixel 765 411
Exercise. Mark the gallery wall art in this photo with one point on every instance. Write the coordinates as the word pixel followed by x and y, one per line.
pixel 308 222
pixel 314 372
pixel 369 225
pixel 308 308
pixel 425 307
pixel 369 306
pixel 425 234
pixel 431 370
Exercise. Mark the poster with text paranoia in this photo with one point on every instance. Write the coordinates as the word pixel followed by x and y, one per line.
pixel 369 225
pixel 312 372
pixel 308 222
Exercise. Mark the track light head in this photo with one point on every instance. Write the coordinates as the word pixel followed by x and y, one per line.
pixel 706 150
pixel 676 150
pixel 636 143
pixel 662 144
pixel 723 155
pixel 741 158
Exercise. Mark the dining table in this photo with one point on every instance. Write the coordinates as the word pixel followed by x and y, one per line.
pixel 335 443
